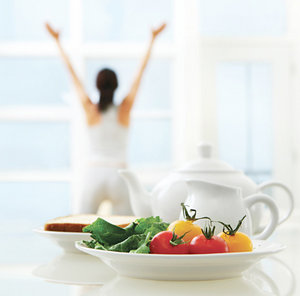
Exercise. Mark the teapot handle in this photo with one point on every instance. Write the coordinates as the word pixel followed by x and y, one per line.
pixel 268 201
pixel 290 195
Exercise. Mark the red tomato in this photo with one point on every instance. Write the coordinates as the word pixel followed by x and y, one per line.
pixel 201 245
pixel 162 244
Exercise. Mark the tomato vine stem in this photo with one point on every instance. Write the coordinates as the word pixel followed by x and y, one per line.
pixel 227 228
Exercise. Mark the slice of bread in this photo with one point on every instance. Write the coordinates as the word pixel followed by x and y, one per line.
pixel 75 223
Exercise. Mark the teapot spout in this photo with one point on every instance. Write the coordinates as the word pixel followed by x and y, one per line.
pixel 140 199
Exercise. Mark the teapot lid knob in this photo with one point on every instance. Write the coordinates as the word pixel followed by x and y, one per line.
pixel 204 150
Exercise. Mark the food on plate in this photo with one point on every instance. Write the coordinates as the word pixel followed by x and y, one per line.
pixel 134 238
pixel 75 223
pixel 167 242
pixel 186 228
pixel 152 235
pixel 236 241
pixel 207 242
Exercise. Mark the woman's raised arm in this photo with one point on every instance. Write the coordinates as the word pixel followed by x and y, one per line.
pixel 84 98
pixel 128 102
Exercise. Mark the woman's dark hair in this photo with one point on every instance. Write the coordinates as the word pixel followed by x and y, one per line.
pixel 106 83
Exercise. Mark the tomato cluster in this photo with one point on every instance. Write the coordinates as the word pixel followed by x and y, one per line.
pixel 162 244
pixel 184 237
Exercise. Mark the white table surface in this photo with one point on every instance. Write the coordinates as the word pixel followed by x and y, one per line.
pixel 276 275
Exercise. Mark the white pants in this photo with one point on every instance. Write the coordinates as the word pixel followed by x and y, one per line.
pixel 99 184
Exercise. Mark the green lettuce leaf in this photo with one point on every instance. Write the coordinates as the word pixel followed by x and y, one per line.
pixel 153 225
pixel 131 243
pixel 94 245
pixel 107 233
pixel 143 246
pixel 99 246
pixel 90 244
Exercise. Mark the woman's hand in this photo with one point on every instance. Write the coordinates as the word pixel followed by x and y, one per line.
pixel 52 32
pixel 157 31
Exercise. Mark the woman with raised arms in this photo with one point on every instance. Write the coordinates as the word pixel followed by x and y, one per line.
pixel 107 125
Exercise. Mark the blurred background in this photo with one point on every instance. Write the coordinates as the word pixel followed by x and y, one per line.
pixel 224 71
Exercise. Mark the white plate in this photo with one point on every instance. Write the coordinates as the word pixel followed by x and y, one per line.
pixel 65 240
pixel 183 267
pixel 76 269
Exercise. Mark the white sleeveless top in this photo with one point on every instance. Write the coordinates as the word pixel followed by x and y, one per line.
pixel 108 140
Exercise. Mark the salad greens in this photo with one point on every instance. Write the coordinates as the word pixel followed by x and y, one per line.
pixel 131 243
pixel 153 225
pixel 107 233
pixel 134 238
pixel 143 245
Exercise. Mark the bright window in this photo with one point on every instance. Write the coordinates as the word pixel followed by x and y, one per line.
pixel 24 81
pixel 35 146
pixel 244 96
pixel 129 20
pixel 22 20
pixel 243 18
pixel 243 86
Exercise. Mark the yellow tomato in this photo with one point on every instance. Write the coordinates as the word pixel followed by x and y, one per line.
pixel 238 242
pixel 185 227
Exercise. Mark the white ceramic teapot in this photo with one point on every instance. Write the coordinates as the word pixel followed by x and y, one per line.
pixel 167 195
pixel 226 204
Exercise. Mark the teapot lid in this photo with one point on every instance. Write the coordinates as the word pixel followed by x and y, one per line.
pixel 205 162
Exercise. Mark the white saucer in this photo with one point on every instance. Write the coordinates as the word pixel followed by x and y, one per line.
pixel 183 267
pixel 65 240
pixel 76 269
